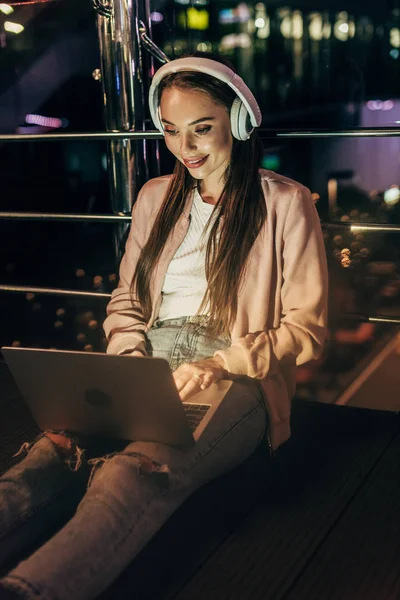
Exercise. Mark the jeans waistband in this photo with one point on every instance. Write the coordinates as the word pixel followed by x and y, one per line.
pixel 181 321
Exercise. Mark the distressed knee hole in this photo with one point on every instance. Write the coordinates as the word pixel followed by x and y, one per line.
pixel 145 466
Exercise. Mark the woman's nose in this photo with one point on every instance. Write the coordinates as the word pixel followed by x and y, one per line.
pixel 188 143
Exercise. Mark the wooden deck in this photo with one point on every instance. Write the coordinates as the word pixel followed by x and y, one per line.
pixel 320 521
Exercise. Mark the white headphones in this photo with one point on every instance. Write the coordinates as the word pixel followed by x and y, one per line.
pixel 245 113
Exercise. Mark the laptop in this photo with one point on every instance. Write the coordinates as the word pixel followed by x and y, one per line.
pixel 119 397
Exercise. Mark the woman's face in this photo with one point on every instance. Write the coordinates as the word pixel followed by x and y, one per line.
pixel 198 133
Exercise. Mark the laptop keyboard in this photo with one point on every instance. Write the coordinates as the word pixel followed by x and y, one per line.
pixel 195 413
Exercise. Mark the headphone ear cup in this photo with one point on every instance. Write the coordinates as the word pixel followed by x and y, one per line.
pixel 235 109
pixel 240 121
pixel 245 127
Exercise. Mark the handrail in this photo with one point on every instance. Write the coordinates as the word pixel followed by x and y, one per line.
pixel 376 319
pixel 25 289
pixel 28 216
pixel 87 136
pixel 83 294
pixel 99 218
pixel 362 226
pixel 330 133
pixel 382 319
pixel 155 134
pixel 374 227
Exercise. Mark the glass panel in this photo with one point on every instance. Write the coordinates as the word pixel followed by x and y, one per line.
pixel 39 321
pixel 364 279
pixel 354 179
pixel 55 177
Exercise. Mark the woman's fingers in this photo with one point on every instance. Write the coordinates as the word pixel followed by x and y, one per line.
pixel 183 380
pixel 191 378
pixel 188 385
pixel 190 389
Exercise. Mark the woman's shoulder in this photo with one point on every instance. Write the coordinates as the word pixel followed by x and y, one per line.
pixel 281 191
pixel 151 196
pixel 280 183
pixel 155 187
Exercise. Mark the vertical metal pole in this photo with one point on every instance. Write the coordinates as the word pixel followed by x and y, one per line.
pixel 124 102
pixel 148 71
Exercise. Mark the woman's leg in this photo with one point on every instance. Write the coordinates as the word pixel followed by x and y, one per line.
pixel 130 497
pixel 36 495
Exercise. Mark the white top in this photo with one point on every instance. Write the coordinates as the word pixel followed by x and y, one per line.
pixel 185 281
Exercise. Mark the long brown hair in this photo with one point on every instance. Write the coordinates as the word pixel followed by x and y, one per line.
pixel 241 203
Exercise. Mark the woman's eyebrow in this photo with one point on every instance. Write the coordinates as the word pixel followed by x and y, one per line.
pixel 192 123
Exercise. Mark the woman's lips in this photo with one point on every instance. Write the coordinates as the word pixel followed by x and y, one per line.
pixel 195 164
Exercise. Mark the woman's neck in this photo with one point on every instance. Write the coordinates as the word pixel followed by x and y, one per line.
pixel 208 196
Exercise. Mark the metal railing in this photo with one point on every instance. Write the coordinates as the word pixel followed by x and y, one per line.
pixel 330 133
pixel 83 137
pixel 26 289
pixel 98 218
pixel 45 291
pixel 29 216
pixel 155 134
pixel 394 320
pixel 382 227
pixel 125 218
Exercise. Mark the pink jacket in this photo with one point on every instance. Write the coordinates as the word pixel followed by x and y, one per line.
pixel 282 304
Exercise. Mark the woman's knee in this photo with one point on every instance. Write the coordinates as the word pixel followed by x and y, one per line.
pixel 122 480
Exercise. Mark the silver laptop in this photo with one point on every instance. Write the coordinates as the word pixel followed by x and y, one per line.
pixel 124 397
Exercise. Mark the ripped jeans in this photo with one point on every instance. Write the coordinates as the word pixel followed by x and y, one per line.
pixel 113 505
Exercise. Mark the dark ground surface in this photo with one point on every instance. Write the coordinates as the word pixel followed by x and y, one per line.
pixel 319 521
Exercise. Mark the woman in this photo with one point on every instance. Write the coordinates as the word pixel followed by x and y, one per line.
pixel 224 275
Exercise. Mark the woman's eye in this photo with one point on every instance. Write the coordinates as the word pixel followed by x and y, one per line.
pixel 203 130
pixel 170 131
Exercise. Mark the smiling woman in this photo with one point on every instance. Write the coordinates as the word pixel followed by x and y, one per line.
pixel 207 114
pixel 224 276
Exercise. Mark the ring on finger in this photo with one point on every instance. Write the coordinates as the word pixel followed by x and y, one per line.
pixel 199 377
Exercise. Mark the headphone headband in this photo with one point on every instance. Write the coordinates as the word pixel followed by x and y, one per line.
pixel 250 110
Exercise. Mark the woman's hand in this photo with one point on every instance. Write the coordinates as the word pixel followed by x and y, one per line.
pixel 191 378
pixel 132 353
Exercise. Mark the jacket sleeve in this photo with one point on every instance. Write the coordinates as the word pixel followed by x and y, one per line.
pixel 125 324
pixel 301 334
